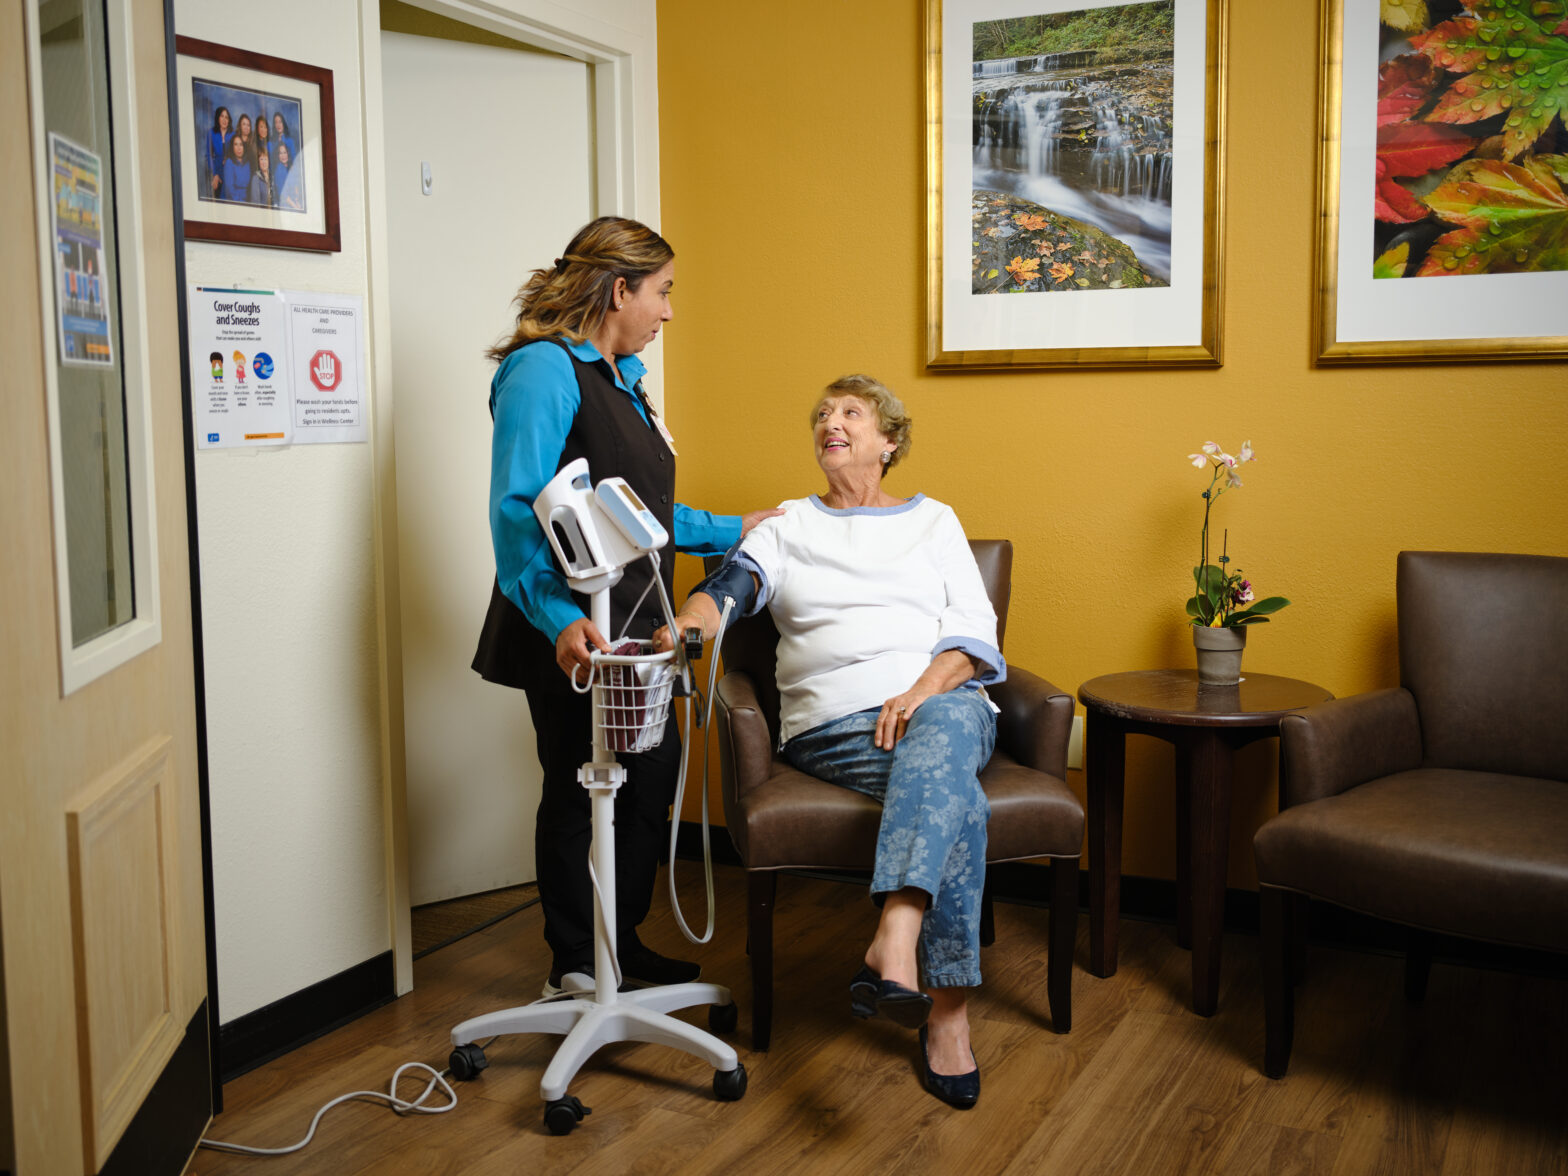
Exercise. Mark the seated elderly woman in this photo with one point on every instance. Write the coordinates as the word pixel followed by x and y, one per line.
pixel 886 638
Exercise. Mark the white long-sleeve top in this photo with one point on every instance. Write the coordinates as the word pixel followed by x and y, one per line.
pixel 864 598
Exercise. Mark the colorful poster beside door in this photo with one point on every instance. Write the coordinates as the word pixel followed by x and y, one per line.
pixel 239 368
pixel 81 294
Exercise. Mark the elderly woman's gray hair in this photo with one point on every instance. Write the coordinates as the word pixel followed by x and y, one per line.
pixel 893 420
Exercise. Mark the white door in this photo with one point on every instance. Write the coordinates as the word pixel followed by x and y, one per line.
pixel 507 136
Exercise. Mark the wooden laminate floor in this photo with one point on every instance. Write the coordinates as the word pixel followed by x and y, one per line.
pixel 1471 1081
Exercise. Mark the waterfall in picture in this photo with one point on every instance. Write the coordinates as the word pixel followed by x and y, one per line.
pixel 1072 154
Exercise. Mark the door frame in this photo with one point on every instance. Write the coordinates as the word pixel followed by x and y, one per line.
pixel 193 545
pixel 623 65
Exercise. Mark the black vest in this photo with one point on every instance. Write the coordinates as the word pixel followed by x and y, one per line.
pixel 610 432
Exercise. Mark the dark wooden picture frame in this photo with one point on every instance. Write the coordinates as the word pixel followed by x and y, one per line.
pixel 240 223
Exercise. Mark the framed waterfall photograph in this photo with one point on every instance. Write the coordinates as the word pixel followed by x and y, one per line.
pixel 1443 181
pixel 1074 171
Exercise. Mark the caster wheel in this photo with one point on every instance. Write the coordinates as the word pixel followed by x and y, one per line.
pixel 723 1018
pixel 729 1085
pixel 466 1062
pixel 563 1114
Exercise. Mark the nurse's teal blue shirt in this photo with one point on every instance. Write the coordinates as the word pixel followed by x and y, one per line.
pixel 534 400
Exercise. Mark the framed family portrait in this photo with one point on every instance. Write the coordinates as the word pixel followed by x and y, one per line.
pixel 1443 181
pixel 1074 182
pixel 258 148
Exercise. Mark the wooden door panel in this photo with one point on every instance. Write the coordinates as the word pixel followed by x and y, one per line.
pixel 123 874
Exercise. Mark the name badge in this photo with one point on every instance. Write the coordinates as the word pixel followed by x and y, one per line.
pixel 658 423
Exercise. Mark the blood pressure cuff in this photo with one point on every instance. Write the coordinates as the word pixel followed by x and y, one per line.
pixel 731 579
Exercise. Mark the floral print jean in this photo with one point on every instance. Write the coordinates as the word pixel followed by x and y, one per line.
pixel 934 814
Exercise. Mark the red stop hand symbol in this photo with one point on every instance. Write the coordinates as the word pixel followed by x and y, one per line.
pixel 325 371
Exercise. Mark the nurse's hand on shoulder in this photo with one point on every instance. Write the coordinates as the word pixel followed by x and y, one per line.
pixel 748 521
pixel 573 646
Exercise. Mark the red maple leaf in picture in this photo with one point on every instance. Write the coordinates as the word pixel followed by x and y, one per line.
pixel 1412 149
pixel 1403 86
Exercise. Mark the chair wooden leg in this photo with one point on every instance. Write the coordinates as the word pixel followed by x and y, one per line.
pixel 762 890
pixel 987 915
pixel 1064 936
pixel 1418 965
pixel 1298 935
pixel 1274 918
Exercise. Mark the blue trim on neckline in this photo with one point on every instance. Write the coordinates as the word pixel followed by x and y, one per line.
pixel 846 511
pixel 631 367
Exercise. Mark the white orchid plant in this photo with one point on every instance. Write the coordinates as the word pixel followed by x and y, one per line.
pixel 1223 598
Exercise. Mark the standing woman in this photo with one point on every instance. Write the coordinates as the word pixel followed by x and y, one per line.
pixel 262 190
pixel 236 172
pixel 280 134
pixel 286 180
pixel 262 144
pixel 569 386
pixel 217 148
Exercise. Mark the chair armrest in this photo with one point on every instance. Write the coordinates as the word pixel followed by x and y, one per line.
pixel 1035 722
pixel 1336 745
pixel 745 744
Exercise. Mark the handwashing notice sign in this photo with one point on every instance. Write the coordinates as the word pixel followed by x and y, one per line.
pixel 327 338
pixel 239 371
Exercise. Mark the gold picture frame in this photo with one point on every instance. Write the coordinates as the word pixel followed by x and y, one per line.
pixel 1008 325
pixel 1363 317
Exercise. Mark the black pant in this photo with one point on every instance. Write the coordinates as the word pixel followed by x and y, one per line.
pixel 563 832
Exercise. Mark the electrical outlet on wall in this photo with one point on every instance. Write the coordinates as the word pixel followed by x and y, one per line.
pixel 1075 745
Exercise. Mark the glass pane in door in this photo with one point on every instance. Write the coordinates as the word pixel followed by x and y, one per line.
pixel 87 315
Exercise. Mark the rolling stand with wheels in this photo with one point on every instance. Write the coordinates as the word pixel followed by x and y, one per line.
pixel 631 700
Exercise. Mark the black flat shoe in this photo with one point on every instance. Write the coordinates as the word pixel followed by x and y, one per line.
pixel 869 995
pixel 956 1090
pixel 643 966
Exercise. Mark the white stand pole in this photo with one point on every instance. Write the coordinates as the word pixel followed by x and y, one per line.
pixel 589 1020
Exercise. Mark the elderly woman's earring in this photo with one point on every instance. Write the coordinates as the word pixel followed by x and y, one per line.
pixel 886 457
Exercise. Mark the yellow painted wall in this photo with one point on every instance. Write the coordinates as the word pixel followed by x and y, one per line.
pixel 792 159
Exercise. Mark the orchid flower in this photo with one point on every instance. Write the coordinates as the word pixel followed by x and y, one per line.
pixel 1222 596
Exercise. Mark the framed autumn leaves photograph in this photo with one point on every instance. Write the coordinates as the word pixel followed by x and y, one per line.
pixel 1074 156
pixel 1443 181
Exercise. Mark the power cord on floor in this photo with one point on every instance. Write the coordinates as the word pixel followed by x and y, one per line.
pixel 397 1105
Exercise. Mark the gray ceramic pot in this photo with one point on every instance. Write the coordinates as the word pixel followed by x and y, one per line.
pixel 1219 654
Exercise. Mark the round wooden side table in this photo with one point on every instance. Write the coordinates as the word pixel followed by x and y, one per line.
pixel 1206 724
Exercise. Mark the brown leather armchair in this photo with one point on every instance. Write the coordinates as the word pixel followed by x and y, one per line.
pixel 1441 804
pixel 781 819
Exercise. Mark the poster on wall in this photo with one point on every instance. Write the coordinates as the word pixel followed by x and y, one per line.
pixel 239 367
pixel 1073 175
pixel 81 294
pixel 1443 201
pixel 327 343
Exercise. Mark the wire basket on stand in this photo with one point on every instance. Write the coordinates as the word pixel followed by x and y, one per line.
pixel 632 695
